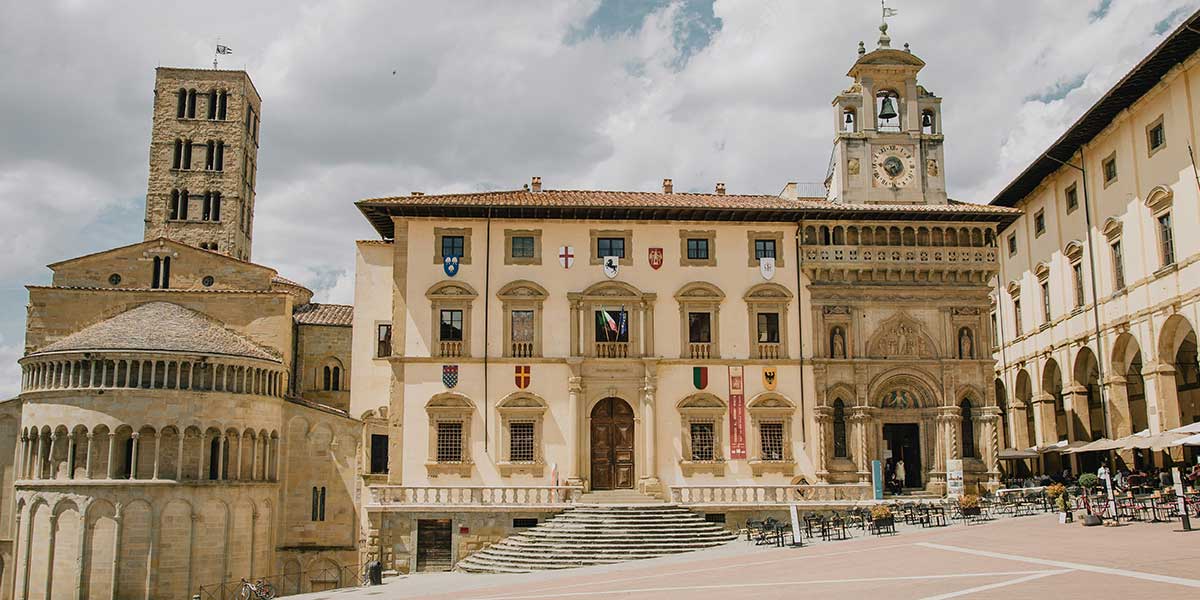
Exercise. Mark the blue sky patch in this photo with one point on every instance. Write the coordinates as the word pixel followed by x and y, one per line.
pixel 694 27
pixel 1059 90
pixel 1100 11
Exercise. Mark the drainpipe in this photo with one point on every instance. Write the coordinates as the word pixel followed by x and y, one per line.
pixel 487 297
pixel 800 321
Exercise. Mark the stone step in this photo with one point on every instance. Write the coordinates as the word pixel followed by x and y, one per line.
pixel 613 542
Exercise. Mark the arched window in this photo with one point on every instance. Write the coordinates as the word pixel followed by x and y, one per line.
pixel 221 105
pixel 839 429
pixel 219 163
pixel 210 159
pixel 184 198
pixel 212 105
pixel 177 157
pixel 318 503
pixel 328 380
pixel 214 458
pixel 849 120
pixel 187 155
pixel 157 274
pixel 191 104
pixel 887 110
pixel 968 430
pixel 216 207
pixel 174 204
pixel 337 378
pixel 182 106
pixel 927 122
pixel 161 278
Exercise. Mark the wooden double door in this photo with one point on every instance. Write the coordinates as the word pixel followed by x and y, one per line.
pixel 612 445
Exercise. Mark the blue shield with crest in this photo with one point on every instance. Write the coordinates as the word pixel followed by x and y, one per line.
pixel 450 265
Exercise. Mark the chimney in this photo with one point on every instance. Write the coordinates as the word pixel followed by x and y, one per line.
pixel 668 187
pixel 536 184
pixel 789 191
pixel 720 188
pixel 418 193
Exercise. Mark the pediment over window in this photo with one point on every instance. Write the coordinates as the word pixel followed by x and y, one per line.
pixel 521 401
pixel 451 290
pixel 613 289
pixel 702 401
pixel 522 290
pixel 901 336
pixel 1160 198
pixel 1073 250
pixel 1014 288
pixel 1111 228
pixel 450 400
pixel 770 400
pixel 1042 270
pixel 767 292
pixel 700 290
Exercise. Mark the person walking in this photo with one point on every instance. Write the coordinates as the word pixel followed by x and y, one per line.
pixel 900 474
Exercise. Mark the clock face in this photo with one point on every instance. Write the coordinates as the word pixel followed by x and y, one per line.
pixel 894 166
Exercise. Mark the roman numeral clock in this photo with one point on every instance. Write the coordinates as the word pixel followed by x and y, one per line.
pixel 893 166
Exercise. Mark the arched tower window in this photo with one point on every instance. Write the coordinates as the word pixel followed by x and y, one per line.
pixel 888 111
pixel 181 108
pixel 849 120
pixel 177 157
pixel 184 198
pixel 968 430
pixel 221 105
pixel 191 104
pixel 174 204
pixel 839 429
pixel 928 122
pixel 212 105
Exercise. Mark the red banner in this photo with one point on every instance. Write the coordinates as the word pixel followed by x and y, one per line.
pixel 737 414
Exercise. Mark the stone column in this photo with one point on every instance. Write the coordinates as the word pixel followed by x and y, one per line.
pixel 37 465
pixel 204 451
pixel 1045 423
pixel 221 456
pixel 858 440
pixel 87 457
pixel 71 455
pixel 116 551
pixel 824 436
pixel 649 329
pixel 157 453
pixel 650 425
pixel 50 554
pixel 241 441
pixel 133 459
pixel 258 442
pixel 27 540
pixel 1121 421
pixel 112 452
pixel 1079 418
pixel 82 556
pixel 179 457
pixel 1160 386
pixel 575 350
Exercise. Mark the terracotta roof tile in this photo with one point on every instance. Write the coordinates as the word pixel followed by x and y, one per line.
pixel 161 326
pixel 324 314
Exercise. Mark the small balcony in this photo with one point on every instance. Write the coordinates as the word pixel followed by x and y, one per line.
pixel 700 350
pixel 521 349
pixel 612 349
pixel 770 351
pixel 450 349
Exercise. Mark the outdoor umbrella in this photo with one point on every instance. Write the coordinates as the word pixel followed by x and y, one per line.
pixel 1190 440
pixel 1191 428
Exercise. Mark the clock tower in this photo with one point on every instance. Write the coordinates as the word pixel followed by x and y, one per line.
pixel 888 145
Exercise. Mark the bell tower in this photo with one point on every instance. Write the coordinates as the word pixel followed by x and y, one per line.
pixel 888 132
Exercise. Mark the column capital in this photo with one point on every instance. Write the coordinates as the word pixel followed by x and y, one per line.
pixel 135 435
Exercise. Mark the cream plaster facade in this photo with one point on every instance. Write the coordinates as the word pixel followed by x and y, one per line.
pixel 1112 245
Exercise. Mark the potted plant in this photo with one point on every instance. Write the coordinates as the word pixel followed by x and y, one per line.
pixel 969 505
pixel 1089 483
pixel 882 518
pixel 1062 501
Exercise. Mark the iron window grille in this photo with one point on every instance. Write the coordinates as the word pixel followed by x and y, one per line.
pixel 449 442
pixel 703 437
pixel 771 435
pixel 520 444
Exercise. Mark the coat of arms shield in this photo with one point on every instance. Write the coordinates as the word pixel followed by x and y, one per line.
pixel 450 375
pixel 566 256
pixel 450 265
pixel 766 267
pixel 656 258
pixel 611 264
pixel 522 376
pixel 770 378
pixel 700 377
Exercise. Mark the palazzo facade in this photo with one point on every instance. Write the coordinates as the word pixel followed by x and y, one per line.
pixel 1096 301
pixel 707 348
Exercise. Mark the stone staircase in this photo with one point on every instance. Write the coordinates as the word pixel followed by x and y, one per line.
pixel 596 534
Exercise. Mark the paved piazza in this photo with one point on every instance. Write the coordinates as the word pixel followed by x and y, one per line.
pixel 1010 558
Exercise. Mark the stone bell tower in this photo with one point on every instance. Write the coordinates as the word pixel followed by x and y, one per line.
pixel 888 144
pixel 203 159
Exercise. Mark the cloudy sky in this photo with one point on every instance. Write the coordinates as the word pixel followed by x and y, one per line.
pixel 365 99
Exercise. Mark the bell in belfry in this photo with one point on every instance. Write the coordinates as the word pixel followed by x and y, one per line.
pixel 887 110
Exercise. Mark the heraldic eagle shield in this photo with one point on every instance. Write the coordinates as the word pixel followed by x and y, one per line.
pixel 522 376
pixel 450 375
pixel 656 257
pixel 770 378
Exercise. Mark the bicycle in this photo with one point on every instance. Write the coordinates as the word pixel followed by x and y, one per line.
pixel 259 590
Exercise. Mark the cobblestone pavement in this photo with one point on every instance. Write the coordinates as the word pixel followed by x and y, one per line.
pixel 1028 557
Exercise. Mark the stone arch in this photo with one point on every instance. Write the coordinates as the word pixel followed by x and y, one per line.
pixel 522 289
pixel 1171 336
pixel 65 524
pixel 264 552
pixel 331 375
pixel 1052 385
pixel 971 392
pixel 450 400
pixel 322 573
pixel 901 336
pixel 904 388
pixel 1004 422
pixel 133 564
pixel 1127 364
pixel 840 390
pixel 241 537
pixel 700 290
pixel 452 290
pixel 211 546
pixel 291 578
pixel 770 400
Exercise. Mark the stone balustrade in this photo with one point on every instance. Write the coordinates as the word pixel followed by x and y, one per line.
pixel 901 254
pixel 115 371
pixel 751 495
pixel 383 497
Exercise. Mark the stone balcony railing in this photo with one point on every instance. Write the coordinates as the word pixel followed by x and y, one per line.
pixel 397 497
pixel 770 350
pixel 612 349
pixel 753 495
pixel 522 349
pixel 700 350
pixel 450 349
pixel 930 255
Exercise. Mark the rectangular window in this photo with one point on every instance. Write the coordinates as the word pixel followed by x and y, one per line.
pixel 452 326
pixel 702 441
pixel 1166 237
pixel 379 453
pixel 1118 266
pixel 449 442
pixel 768 328
pixel 1039 223
pixel 1072 198
pixel 520 442
pixel 383 338
pixel 452 245
pixel 764 249
pixel 610 247
pixel 612 326
pixel 697 249
pixel 522 326
pixel 1077 271
pixel 1156 136
pixel 1109 166
pixel 995 329
pixel 522 247
pixel 699 328
pixel 1012 244
pixel 771 435
pixel 1045 301
pixel 1017 317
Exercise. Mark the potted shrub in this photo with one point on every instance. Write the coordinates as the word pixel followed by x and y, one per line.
pixel 882 518
pixel 969 505
pixel 1058 493
pixel 1089 482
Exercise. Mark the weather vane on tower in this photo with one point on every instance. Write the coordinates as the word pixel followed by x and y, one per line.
pixel 885 12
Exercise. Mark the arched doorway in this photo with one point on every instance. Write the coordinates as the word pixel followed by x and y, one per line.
pixel 612 445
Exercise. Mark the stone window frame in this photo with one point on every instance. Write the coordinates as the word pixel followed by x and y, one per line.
pixel 522 294
pixel 1151 150
pixel 594 257
pixel 1112 229
pixel 702 407
pixel 521 407
pixel 536 259
pixel 753 236
pixel 391 333
pixel 770 407
pixel 700 297
pixel 1039 223
pixel 768 297
pixel 449 407
pixel 1042 272
pixel 1012 244
pixel 710 235
pixel 1107 160
pixel 1071 191
pixel 441 232
pixel 611 294
pixel 1073 252
pixel 450 295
